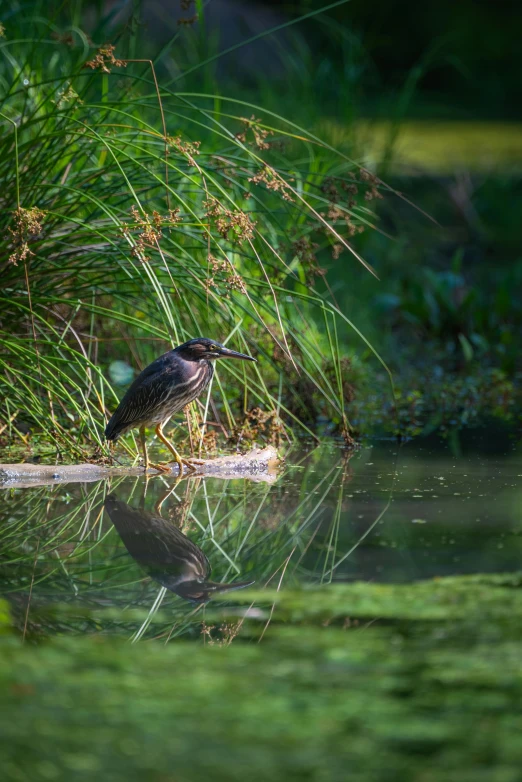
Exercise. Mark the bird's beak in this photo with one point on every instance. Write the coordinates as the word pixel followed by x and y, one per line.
pixel 201 593
pixel 212 586
pixel 226 353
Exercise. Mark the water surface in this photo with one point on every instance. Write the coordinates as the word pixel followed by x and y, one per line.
pixel 144 558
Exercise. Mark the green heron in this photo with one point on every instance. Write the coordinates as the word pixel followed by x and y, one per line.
pixel 165 387
pixel 169 557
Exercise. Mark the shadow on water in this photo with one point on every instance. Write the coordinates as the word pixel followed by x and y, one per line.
pixel 88 558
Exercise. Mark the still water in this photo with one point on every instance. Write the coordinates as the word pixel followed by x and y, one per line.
pixel 143 559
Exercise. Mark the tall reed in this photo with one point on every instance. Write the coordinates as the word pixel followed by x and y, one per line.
pixel 135 217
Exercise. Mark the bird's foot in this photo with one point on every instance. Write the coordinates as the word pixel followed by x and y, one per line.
pixel 191 462
pixel 182 463
pixel 160 467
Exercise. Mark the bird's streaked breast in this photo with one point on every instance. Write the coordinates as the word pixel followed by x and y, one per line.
pixel 177 396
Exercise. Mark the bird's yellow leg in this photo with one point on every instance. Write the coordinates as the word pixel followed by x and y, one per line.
pixel 177 457
pixel 160 502
pixel 143 440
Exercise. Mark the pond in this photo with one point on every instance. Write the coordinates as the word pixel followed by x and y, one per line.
pixel 74 553
pixel 387 512
pixel 365 607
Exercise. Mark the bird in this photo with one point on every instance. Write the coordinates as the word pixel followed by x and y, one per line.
pixel 163 388
pixel 169 557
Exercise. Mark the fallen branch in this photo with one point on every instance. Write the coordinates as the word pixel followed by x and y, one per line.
pixel 259 464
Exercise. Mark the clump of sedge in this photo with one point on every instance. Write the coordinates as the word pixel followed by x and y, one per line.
pixel 262 424
pixel 305 249
pixel 105 58
pixel 273 181
pixel 224 271
pixel 27 225
pixel 259 134
pixel 188 148
pixel 67 95
pixel 149 231
pixel 231 225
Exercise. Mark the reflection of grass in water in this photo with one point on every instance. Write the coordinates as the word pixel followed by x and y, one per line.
pixel 417 681
pixel 323 522
pixel 58 545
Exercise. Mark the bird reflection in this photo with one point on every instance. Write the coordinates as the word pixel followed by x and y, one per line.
pixel 168 556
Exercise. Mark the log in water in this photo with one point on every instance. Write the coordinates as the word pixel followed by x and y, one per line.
pixel 259 464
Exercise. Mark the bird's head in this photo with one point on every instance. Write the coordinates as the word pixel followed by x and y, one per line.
pixel 201 347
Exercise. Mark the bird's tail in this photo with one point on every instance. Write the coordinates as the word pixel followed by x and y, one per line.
pixel 114 428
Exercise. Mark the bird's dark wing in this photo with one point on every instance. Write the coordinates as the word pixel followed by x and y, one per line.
pixel 151 389
pixel 156 543
pixel 170 557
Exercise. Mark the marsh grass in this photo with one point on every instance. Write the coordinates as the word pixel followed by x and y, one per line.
pixel 135 217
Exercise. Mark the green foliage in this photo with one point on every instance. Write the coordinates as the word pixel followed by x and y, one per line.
pixel 136 217
pixel 470 320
